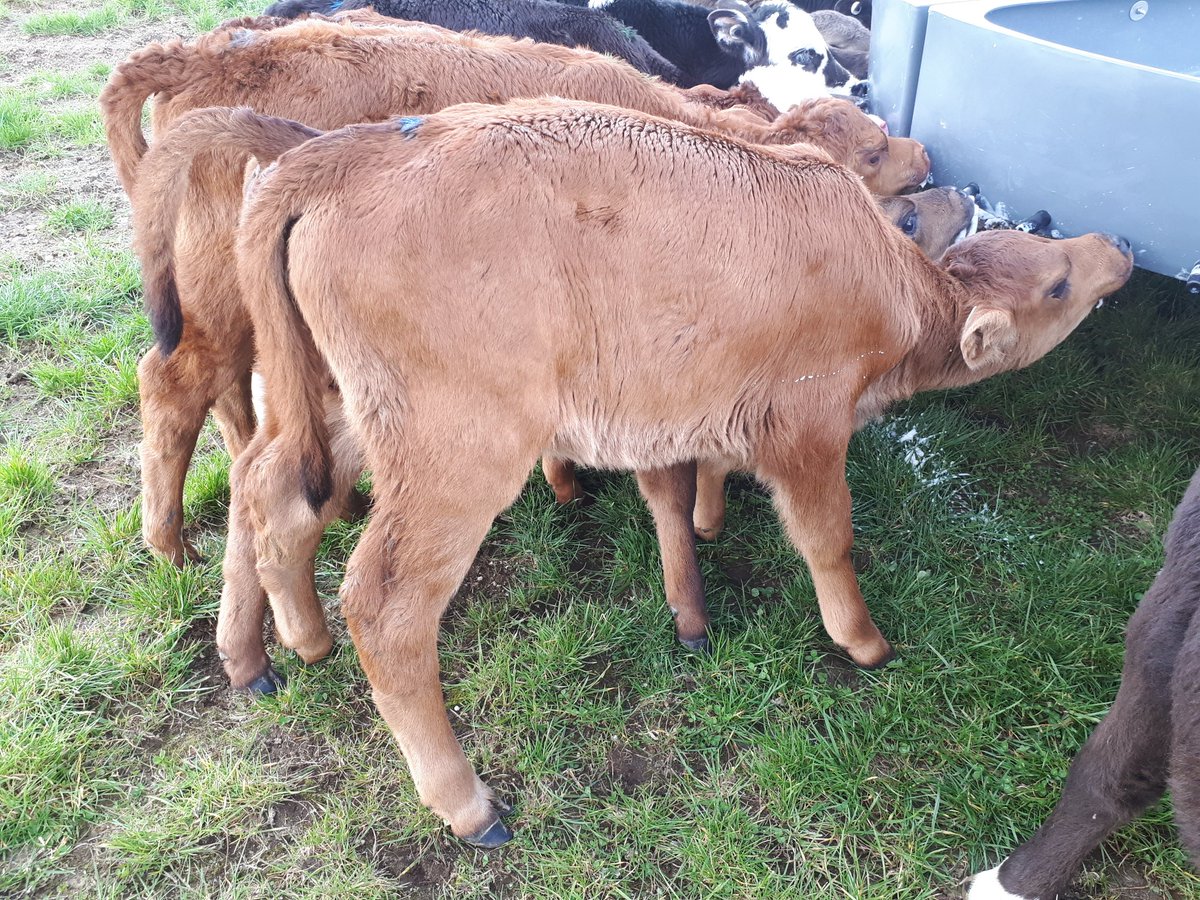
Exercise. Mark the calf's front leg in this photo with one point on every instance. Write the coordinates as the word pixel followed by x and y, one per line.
pixel 1185 736
pixel 813 500
pixel 560 475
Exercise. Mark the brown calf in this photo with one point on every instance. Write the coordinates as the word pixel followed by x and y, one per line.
pixel 490 284
pixel 162 183
pixel 1149 740
pixel 329 75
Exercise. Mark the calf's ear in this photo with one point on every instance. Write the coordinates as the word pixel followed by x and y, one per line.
pixel 734 32
pixel 987 338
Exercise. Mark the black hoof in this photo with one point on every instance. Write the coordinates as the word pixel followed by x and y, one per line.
pixel 267 683
pixel 697 645
pixel 880 664
pixel 495 835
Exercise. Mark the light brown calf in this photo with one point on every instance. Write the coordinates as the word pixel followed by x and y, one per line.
pixel 491 284
pixel 162 184
pixel 328 75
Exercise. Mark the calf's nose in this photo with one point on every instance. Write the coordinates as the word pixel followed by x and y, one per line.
pixel 807 59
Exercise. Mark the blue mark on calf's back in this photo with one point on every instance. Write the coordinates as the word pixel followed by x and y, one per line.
pixel 408 125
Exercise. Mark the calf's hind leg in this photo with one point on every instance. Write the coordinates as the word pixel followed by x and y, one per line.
pixel 174 402
pixel 425 529
pixel 671 495
pixel 234 412
pixel 176 393
pixel 272 544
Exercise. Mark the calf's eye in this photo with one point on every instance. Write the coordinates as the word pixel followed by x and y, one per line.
pixel 909 224
pixel 1060 290
pixel 874 160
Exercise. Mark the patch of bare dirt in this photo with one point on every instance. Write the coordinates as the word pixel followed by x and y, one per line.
pixel 79 173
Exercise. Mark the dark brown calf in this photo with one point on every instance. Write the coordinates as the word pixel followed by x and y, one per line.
pixel 1149 740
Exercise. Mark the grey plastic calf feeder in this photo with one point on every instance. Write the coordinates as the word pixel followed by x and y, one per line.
pixel 1088 108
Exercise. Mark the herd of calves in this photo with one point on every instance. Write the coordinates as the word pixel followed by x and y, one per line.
pixel 537 252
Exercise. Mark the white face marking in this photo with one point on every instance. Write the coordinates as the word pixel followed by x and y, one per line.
pixel 598 4
pixel 782 82
pixel 785 86
pixel 800 33
pixel 986 886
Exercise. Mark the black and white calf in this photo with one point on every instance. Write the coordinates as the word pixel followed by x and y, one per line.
pixel 541 20
pixel 798 65
pixel 1150 739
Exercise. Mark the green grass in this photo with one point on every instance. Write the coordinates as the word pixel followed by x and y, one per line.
pixel 19 120
pixel 80 216
pixel 101 18
pixel 1003 559
pixel 82 23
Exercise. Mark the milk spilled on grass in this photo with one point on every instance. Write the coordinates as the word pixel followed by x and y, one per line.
pixel 930 466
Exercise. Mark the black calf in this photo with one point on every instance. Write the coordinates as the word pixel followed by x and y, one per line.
pixel 541 20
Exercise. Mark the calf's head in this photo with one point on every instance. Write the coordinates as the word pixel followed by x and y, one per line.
pixel 934 219
pixel 738 34
pixel 887 165
pixel 1024 294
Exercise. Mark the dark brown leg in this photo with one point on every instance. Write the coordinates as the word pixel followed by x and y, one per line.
pixel 1120 771
pixel 671 495
pixel 1185 736
pixel 1123 767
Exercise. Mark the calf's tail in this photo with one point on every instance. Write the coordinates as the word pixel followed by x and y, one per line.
pixel 162 183
pixel 296 376
pixel 154 69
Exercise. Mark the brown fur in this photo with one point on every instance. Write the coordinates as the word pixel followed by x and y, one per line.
pixel 742 95
pixel 941 215
pixel 488 285
pixel 329 75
